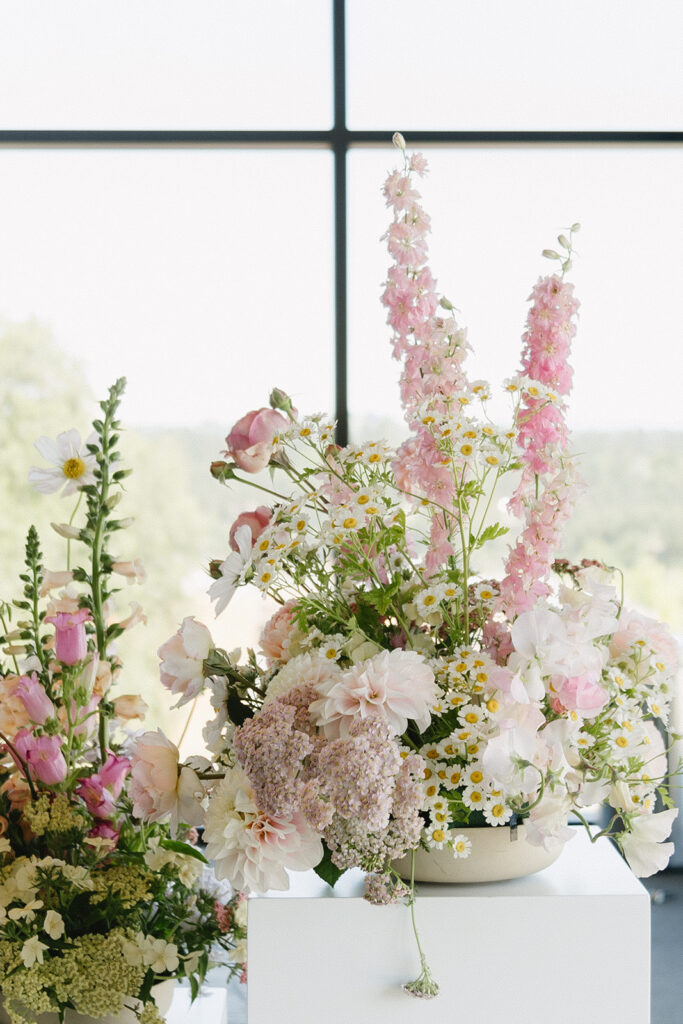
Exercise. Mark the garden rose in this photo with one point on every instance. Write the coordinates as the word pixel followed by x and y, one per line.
pixel 256 521
pixel 158 788
pixel 278 632
pixel 250 442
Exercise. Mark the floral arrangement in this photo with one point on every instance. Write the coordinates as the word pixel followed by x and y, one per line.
pixel 398 696
pixel 95 907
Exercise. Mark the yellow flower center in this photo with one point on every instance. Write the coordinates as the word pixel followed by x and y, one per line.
pixel 460 846
pixel 497 810
pixel 621 741
pixel 492 460
pixel 476 797
pixel 73 468
pixel 492 705
pixel 466 449
pixel 438 835
pixel 350 522
pixel 471 717
pixel 429 599
pixel 363 499
pixel 476 776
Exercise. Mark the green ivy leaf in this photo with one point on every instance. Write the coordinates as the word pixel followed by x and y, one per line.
pixel 326 870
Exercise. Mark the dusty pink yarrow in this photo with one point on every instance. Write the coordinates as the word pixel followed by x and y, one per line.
pixel 271 751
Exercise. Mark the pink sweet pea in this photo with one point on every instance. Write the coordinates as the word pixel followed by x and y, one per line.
pixel 32 694
pixel 42 755
pixel 581 693
pixel 256 521
pixel 250 442
pixel 71 644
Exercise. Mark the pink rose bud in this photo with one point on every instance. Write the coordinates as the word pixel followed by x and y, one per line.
pixel 71 643
pixel 250 442
pixel 257 521
pixel 32 694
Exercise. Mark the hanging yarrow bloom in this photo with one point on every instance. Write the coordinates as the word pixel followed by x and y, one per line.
pixel 73 465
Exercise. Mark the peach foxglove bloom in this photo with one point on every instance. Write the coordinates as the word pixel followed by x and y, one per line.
pixel 182 660
pixel 396 685
pixel 129 706
pixel 72 465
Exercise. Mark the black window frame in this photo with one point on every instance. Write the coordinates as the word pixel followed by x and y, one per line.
pixel 339 139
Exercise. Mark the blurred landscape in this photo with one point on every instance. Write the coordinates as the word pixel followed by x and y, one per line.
pixel 629 517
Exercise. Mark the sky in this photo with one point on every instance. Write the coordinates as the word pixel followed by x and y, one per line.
pixel 206 276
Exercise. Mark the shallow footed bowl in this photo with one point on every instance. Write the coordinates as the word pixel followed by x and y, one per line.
pixel 496 855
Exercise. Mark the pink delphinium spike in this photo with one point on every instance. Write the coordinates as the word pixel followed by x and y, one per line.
pixel 549 483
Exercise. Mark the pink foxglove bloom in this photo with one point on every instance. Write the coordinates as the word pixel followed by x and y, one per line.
pixel 182 660
pixel 251 849
pixel 38 705
pixel 72 465
pixel 113 773
pixel 158 789
pixel 99 801
pixel 250 442
pixel 644 846
pixel 256 521
pixel 43 755
pixel 71 643
pixel 396 685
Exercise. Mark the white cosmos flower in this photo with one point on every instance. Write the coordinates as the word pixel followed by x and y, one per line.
pixel 72 464
pixel 232 570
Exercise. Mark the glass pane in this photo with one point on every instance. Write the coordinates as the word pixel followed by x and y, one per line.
pixel 493 210
pixel 165 64
pixel 527 65
pixel 189 273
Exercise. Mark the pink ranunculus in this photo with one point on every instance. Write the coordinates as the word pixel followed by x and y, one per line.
pixel 182 659
pixel 277 633
pixel 397 685
pixel 256 521
pixel 581 693
pixel 158 789
pixel 250 442
pixel 43 756
pixel 71 643
pixel 32 693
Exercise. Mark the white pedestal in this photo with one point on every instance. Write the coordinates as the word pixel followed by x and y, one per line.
pixel 570 943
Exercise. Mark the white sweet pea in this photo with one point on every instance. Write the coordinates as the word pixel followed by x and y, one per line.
pixel 644 846
pixel 32 951
pixel 232 570
pixel 53 924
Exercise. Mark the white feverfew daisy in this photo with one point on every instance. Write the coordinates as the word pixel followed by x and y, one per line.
pixel 461 846
pixel 427 602
pixel 474 776
pixel 436 837
pixel 471 716
pixel 72 465
pixel 474 797
pixel 454 777
pixel 496 813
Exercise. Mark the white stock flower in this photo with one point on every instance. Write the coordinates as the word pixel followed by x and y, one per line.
pixel 53 924
pixel 72 465
pixel 32 951
pixel 644 846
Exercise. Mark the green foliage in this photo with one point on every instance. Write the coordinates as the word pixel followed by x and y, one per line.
pixel 326 870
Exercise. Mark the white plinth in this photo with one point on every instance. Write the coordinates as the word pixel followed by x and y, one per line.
pixel 571 943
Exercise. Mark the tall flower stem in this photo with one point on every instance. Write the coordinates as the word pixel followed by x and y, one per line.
pixel 424 986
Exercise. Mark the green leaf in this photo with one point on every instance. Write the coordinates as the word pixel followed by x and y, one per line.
pixel 665 797
pixel 177 847
pixel 326 870
pixel 491 533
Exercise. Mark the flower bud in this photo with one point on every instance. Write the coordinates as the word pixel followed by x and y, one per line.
pixel 398 141
pixel 562 239
pixel 66 530
pixel 280 400
pixel 550 254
